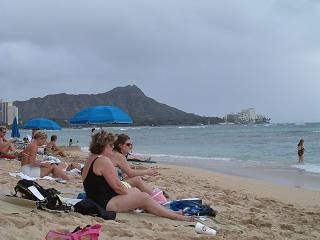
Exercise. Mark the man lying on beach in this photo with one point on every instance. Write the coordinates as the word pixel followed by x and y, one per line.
pixel 136 157
pixel 29 164
pixel 6 145
pixel 53 148
pixel 103 186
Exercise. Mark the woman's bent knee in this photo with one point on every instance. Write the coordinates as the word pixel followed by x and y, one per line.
pixel 135 181
pixel 144 196
pixel 134 190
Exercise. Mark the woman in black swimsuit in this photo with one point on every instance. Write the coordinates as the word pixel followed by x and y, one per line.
pixel 301 150
pixel 102 185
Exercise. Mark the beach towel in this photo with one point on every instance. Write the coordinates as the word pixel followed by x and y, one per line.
pixel 23 176
pixel 52 159
pixel 192 208
pixel 7 156
pixel 196 200
pixel 70 201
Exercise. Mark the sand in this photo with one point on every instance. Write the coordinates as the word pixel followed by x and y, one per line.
pixel 248 209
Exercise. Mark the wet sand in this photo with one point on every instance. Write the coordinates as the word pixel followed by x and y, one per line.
pixel 288 176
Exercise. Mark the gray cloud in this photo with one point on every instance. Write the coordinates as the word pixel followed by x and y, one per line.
pixel 206 57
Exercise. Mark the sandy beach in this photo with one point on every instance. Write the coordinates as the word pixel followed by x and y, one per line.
pixel 247 209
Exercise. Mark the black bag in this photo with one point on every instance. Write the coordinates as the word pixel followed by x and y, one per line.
pixel 89 207
pixel 51 199
pixel 22 187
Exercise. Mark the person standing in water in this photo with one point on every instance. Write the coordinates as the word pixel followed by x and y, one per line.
pixel 93 131
pixel 301 150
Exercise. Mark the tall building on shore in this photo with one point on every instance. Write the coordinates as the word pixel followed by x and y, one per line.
pixel 7 112
pixel 248 115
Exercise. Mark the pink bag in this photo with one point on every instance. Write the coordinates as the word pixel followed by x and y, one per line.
pixel 158 196
pixel 87 233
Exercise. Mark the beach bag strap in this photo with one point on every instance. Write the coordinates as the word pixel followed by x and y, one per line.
pixel 86 233
pixel 55 235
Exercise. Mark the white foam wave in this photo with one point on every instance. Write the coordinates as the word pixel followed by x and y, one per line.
pixel 130 128
pixel 183 127
pixel 86 128
pixel 308 167
pixel 85 149
pixel 189 157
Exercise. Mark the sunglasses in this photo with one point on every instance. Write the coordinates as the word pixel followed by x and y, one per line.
pixel 4 132
pixel 129 144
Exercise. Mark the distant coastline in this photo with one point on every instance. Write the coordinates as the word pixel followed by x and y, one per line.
pixel 144 110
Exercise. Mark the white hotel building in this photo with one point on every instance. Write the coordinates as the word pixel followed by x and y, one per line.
pixel 7 112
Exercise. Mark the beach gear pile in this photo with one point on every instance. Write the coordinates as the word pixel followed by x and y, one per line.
pixel 49 199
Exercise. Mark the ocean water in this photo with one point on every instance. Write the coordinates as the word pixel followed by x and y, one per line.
pixel 272 145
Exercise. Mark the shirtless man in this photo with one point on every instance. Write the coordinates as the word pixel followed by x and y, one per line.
pixel 53 148
pixel 33 168
pixel 6 145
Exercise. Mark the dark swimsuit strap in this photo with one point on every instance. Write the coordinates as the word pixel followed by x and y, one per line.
pixel 90 168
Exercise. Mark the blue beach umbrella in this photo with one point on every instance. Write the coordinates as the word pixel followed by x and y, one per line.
pixel 15 129
pixel 101 115
pixel 42 124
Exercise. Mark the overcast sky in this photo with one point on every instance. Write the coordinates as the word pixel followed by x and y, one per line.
pixel 206 57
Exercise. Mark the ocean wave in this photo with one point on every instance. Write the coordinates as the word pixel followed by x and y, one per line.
pixel 126 129
pixel 85 128
pixel 300 124
pixel 183 127
pixel 308 167
pixel 317 131
pixel 85 149
pixel 189 157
